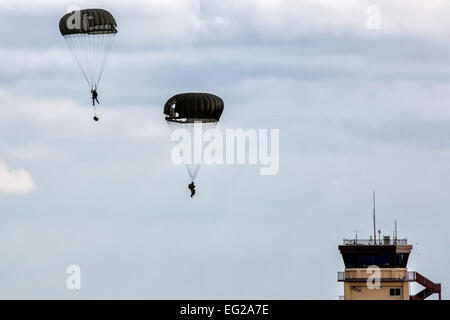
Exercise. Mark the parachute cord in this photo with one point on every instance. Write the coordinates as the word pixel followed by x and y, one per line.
pixel 83 52
pixel 91 54
pixel 78 56
pixel 106 48
pixel 194 174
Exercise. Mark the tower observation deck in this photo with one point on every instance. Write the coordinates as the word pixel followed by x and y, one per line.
pixel 376 269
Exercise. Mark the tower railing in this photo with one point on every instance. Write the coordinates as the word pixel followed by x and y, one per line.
pixel 377 242
pixel 388 275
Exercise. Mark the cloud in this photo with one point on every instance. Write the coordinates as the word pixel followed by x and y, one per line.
pixel 15 181
pixel 184 22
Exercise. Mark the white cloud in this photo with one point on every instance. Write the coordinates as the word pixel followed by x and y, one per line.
pixel 16 61
pixel 174 22
pixel 48 124
pixel 29 151
pixel 15 181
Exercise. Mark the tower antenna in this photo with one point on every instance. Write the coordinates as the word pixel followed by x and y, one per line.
pixel 395 232
pixel 374 223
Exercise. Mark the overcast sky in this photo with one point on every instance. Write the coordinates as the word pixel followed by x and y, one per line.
pixel 358 110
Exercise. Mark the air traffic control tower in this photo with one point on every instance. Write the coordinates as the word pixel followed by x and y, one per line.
pixel 376 269
pixel 391 256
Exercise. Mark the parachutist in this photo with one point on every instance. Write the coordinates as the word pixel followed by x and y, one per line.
pixel 90 48
pixel 95 118
pixel 94 96
pixel 189 111
pixel 191 187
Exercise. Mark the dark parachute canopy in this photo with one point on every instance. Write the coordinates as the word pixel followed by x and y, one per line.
pixel 87 21
pixel 194 107
pixel 186 110
pixel 90 34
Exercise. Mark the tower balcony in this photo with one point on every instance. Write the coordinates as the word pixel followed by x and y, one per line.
pixel 386 275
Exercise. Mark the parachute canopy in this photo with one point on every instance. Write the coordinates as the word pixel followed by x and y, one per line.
pixel 186 110
pixel 194 107
pixel 87 21
pixel 90 34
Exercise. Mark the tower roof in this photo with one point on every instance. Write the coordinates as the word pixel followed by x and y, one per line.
pixel 386 253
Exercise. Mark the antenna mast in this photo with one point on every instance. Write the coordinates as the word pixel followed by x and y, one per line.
pixel 395 232
pixel 374 224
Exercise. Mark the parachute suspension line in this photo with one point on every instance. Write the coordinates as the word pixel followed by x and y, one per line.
pixel 86 53
pixel 88 44
pixel 100 54
pixel 92 40
pixel 79 43
pixel 106 49
pixel 91 54
pixel 94 57
pixel 193 174
pixel 91 61
pixel 95 53
pixel 78 57
pixel 191 168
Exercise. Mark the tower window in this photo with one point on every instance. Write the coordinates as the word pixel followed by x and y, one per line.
pixel 350 261
pixel 401 259
pixel 385 260
pixel 395 292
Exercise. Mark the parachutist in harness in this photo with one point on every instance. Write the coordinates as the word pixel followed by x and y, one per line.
pixel 191 187
pixel 189 111
pixel 90 48
pixel 94 97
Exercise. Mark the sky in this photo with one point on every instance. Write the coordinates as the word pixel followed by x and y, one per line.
pixel 358 110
